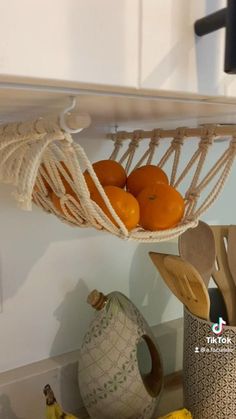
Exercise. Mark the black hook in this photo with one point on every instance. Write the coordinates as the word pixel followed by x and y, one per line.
pixel 224 18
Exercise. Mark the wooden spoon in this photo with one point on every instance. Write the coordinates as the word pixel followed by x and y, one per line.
pixel 232 251
pixel 185 282
pixel 221 273
pixel 197 246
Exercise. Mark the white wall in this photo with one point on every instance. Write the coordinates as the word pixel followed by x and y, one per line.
pixel 70 41
pixel 47 271
pixel 48 268
pixel 174 58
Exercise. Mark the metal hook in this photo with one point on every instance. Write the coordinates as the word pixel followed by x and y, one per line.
pixel 62 119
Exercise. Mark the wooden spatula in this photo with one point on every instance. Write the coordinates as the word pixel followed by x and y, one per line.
pixel 232 251
pixel 222 275
pixel 197 246
pixel 185 282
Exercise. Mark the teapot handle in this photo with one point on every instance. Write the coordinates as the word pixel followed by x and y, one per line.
pixel 153 381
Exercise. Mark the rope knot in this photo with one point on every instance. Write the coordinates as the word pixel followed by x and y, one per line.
pixel 134 143
pixel 181 132
pixel 192 195
pixel 119 137
pixel 206 142
pixel 68 148
pixel 155 138
pixel 209 130
pixel 68 137
pixel 233 144
pixel 118 141
pixel 138 134
pixel 177 142
pixel 154 142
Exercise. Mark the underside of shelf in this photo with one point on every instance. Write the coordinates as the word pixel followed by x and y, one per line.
pixel 110 106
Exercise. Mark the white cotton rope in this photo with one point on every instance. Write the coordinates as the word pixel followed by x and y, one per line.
pixel 31 156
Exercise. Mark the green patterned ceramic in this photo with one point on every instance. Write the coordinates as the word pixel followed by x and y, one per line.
pixel 209 367
pixel 109 377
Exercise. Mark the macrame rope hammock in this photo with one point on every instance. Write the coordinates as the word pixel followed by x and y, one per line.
pixel 31 156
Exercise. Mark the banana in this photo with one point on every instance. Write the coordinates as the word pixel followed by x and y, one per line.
pixel 178 414
pixel 53 409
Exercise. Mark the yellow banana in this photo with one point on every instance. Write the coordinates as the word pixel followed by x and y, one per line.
pixel 178 414
pixel 53 409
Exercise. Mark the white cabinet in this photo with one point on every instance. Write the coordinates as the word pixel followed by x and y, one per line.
pixel 147 44
pixel 173 58
pixel 77 41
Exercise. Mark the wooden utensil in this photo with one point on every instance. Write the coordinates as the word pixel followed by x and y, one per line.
pixel 221 274
pixel 197 246
pixel 184 281
pixel 231 253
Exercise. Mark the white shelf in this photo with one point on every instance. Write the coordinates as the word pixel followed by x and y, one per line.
pixel 108 106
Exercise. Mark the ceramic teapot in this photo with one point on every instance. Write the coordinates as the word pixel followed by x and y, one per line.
pixel 110 381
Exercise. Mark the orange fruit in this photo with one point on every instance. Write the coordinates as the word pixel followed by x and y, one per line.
pixel 109 172
pixel 90 183
pixel 56 202
pixel 145 176
pixel 125 205
pixel 161 207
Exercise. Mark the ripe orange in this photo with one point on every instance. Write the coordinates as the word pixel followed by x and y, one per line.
pixel 125 205
pixel 109 172
pixel 56 202
pixel 145 176
pixel 161 207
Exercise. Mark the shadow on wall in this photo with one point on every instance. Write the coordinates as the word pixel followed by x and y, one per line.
pixel 146 288
pixel 26 236
pixel 6 411
pixel 94 141
pixel 168 339
pixel 74 306
pixel 207 54
pixel 70 396
pixel 177 57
